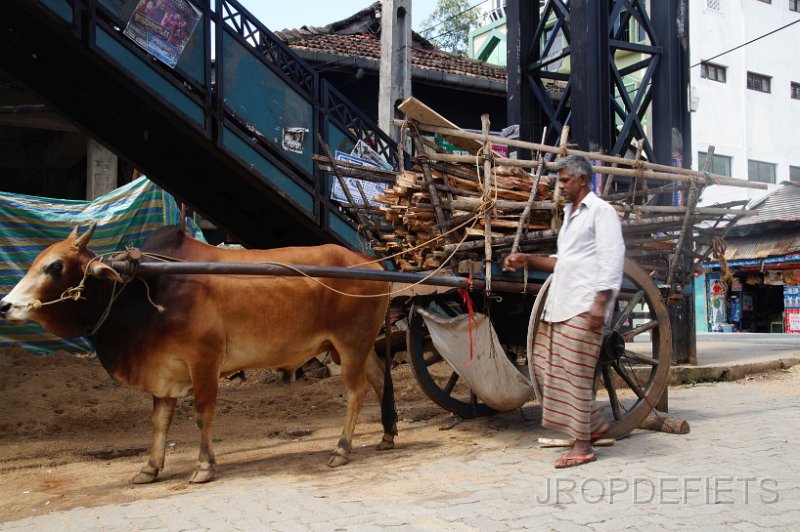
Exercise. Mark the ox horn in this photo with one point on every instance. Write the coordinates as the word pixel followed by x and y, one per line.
pixel 83 240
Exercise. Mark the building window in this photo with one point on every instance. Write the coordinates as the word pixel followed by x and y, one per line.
pixel 796 87
pixel 758 82
pixel 713 72
pixel 794 5
pixel 714 4
pixel 760 171
pixel 721 165
pixel 794 174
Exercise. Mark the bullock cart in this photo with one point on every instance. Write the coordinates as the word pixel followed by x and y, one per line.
pixel 447 223
pixel 460 214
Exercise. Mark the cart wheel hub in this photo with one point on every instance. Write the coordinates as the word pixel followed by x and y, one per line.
pixel 613 347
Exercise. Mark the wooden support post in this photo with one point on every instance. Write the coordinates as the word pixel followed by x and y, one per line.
pixel 441 221
pixel 665 424
pixel 523 219
pixel 487 187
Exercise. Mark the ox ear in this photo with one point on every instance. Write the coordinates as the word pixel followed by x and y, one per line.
pixel 82 241
pixel 104 271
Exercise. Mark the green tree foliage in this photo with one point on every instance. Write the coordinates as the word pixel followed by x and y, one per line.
pixel 449 24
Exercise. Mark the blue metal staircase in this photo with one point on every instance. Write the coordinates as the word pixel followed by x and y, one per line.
pixel 211 130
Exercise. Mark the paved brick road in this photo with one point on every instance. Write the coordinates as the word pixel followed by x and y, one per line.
pixel 737 470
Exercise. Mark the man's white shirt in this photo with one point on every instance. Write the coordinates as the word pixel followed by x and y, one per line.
pixel 591 257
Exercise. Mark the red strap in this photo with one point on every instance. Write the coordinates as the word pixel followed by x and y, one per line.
pixel 464 293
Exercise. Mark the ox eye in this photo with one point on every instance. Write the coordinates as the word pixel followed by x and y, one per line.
pixel 54 268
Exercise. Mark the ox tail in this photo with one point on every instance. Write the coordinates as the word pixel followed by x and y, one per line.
pixel 388 408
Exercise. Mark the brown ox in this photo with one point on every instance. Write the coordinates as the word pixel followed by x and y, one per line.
pixel 210 325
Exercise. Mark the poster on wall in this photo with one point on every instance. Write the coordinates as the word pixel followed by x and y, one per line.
pixel 773 277
pixel 163 27
pixel 718 315
pixel 370 189
pixel 791 276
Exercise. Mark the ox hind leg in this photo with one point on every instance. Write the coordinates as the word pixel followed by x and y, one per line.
pixel 163 408
pixel 380 377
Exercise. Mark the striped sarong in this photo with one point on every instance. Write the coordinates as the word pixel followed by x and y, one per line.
pixel 565 359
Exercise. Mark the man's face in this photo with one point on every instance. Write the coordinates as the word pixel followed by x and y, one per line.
pixel 569 184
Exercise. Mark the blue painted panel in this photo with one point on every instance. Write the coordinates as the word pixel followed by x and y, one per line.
pixel 280 181
pixel 700 304
pixel 344 231
pixel 150 77
pixel 338 140
pixel 62 8
pixel 262 99
pixel 123 9
pixel 192 60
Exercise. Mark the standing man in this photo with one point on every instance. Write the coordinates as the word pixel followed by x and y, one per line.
pixel 587 275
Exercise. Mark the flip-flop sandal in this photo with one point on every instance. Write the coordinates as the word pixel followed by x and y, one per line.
pixel 573 461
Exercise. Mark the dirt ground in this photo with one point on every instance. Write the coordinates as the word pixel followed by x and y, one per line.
pixel 71 436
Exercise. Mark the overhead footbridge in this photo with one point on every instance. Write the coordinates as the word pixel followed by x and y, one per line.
pixel 230 129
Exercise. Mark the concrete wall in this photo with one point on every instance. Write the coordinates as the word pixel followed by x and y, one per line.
pixel 741 123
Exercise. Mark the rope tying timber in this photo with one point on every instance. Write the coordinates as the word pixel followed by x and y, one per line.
pixel 719 247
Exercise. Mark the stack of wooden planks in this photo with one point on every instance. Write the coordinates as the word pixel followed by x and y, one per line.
pixel 410 208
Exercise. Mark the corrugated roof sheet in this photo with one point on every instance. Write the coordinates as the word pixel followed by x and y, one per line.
pixel 761 246
pixel 779 205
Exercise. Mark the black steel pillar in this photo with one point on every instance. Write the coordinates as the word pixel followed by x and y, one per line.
pixel 591 123
pixel 522 17
pixel 672 143
pixel 671 121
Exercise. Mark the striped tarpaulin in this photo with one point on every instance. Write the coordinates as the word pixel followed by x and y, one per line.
pixel 28 225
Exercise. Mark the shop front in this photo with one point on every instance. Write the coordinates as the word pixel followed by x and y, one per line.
pixel 762 295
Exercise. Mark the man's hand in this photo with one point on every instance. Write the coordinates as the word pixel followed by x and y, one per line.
pixel 597 314
pixel 514 261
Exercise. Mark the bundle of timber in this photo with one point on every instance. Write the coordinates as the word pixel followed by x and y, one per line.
pixel 479 204
pixel 437 204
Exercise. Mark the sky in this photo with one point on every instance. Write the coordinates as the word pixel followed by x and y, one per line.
pixel 296 13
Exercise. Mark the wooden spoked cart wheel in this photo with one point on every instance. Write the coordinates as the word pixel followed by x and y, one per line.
pixel 637 350
pixel 633 368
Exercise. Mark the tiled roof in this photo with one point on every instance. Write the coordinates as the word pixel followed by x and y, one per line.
pixel 359 36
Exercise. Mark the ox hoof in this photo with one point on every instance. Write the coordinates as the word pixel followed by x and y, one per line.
pixel 201 475
pixel 145 477
pixel 385 445
pixel 337 460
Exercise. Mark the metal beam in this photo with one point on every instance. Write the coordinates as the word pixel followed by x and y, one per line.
pixel 591 120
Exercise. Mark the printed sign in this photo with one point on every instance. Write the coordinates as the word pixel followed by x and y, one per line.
pixel 362 150
pixel 370 189
pixel 293 138
pixel 163 27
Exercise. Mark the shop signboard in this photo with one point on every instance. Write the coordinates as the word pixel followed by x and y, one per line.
pixel 792 324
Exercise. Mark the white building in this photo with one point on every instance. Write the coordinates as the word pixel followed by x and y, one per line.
pixel 747 100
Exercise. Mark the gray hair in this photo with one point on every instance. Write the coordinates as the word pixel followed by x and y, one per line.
pixel 577 165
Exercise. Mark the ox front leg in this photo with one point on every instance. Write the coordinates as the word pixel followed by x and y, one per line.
pixel 163 408
pixel 205 398
pixel 356 387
